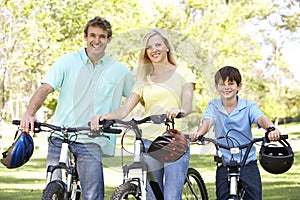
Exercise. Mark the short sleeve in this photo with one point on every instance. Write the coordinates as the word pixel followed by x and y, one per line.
pixel 187 74
pixel 210 113
pixel 128 84
pixel 55 75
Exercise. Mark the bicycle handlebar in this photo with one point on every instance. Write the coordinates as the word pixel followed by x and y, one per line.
pixel 38 125
pixel 254 140
pixel 243 146
pixel 156 119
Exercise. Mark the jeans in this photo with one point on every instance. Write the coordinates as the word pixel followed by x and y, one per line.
pixel 170 176
pixel 250 177
pixel 89 167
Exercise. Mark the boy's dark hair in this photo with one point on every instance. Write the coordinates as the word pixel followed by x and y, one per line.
pixel 229 72
pixel 101 23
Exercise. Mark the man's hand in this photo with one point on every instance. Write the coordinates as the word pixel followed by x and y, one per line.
pixel 26 121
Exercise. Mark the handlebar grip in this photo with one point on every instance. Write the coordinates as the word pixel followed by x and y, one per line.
pixel 282 137
pixel 180 115
pixel 16 122
pixel 112 130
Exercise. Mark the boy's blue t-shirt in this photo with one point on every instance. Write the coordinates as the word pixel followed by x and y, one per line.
pixel 240 119
pixel 85 90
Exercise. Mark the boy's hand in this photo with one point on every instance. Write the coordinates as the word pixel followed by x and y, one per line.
pixel 274 135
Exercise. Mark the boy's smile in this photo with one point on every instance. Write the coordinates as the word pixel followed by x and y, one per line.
pixel 228 89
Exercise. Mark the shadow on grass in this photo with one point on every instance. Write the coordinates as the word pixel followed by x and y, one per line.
pixel 22 194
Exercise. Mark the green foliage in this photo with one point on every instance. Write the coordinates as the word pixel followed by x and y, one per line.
pixel 206 36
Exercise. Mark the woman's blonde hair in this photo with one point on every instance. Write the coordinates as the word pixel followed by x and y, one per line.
pixel 145 66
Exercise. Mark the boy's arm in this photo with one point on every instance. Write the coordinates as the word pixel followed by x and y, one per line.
pixel 202 129
pixel 265 123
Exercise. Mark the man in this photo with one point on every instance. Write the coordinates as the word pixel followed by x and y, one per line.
pixel 91 83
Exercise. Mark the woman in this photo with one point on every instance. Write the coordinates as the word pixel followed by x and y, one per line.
pixel 161 87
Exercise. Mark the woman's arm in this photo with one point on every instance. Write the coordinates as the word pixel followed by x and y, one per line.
pixel 118 113
pixel 186 102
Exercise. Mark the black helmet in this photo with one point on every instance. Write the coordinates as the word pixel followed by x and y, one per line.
pixel 169 147
pixel 19 152
pixel 276 159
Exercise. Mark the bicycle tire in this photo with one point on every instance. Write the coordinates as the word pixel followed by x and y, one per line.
pixel 194 186
pixel 126 191
pixel 55 190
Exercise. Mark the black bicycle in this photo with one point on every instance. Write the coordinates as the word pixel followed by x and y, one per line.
pixel 236 188
pixel 134 187
pixel 68 187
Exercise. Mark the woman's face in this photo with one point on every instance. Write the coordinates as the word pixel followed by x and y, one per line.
pixel 156 49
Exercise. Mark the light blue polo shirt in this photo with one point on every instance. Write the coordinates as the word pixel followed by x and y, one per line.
pixel 241 119
pixel 85 90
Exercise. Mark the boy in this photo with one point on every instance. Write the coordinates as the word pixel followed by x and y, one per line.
pixel 232 112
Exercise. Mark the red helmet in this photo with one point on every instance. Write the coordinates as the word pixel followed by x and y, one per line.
pixel 169 147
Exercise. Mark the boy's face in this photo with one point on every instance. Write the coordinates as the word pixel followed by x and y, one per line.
pixel 228 89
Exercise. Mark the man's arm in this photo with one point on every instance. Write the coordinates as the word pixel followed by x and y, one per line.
pixel 35 104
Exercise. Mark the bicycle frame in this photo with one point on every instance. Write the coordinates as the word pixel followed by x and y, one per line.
pixel 236 190
pixel 140 163
pixel 67 161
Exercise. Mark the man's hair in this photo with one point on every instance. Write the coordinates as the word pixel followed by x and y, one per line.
pixel 101 23
pixel 229 72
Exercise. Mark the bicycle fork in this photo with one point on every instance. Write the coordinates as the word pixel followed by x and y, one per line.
pixel 236 190
pixel 63 165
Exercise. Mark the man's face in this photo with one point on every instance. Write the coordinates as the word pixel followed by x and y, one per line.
pixel 227 89
pixel 97 41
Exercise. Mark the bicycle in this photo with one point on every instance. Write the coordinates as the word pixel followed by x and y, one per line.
pixel 236 189
pixel 135 187
pixel 68 187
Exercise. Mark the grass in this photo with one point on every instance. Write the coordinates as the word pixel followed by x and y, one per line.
pixel 28 181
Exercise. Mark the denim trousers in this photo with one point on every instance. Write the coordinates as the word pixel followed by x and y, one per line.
pixel 250 177
pixel 89 166
pixel 170 176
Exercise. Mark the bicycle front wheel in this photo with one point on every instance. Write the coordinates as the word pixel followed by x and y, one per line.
pixel 194 187
pixel 55 190
pixel 126 191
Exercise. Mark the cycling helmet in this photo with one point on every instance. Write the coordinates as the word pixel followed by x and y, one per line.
pixel 276 159
pixel 168 147
pixel 19 152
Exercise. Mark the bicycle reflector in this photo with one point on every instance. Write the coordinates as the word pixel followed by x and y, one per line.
pixel 168 147
pixel 276 159
pixel 19 152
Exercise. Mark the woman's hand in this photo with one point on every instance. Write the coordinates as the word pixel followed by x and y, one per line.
pixel 172 113
pixel 95 123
